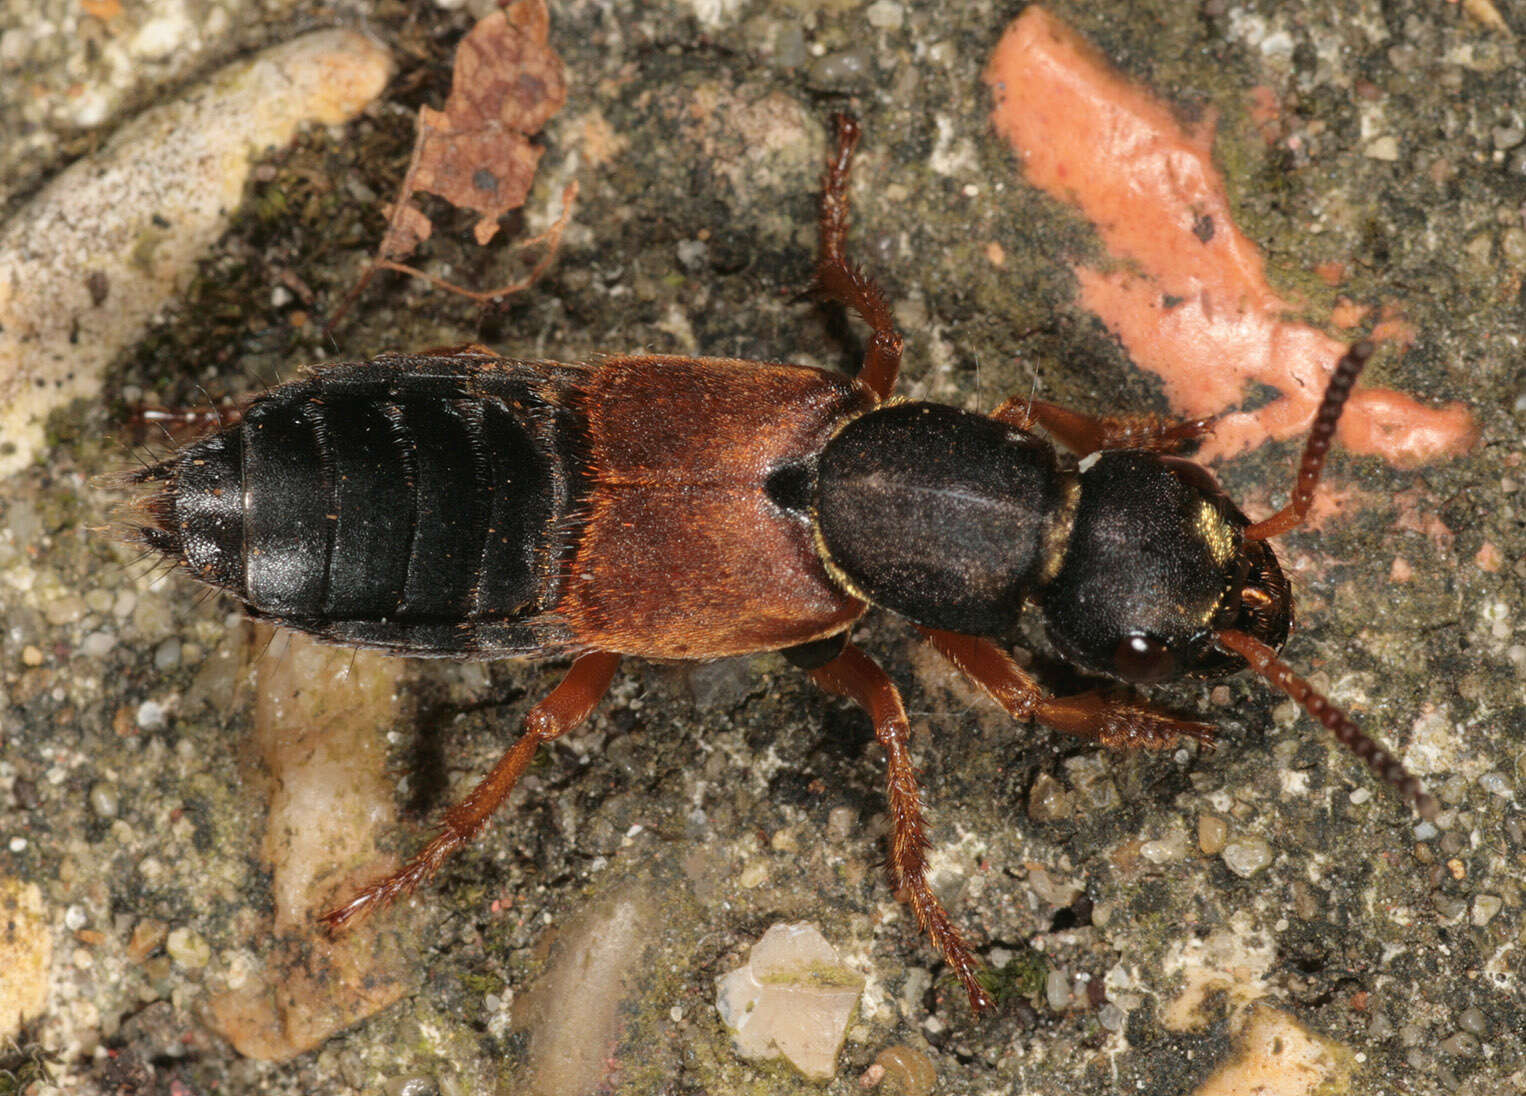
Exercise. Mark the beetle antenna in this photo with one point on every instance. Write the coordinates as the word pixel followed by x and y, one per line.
pixel 1323 433
pixel 1384 765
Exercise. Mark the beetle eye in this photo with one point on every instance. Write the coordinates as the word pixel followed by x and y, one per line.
pixel 1144 658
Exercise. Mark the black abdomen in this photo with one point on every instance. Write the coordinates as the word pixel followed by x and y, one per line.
pixel 413 504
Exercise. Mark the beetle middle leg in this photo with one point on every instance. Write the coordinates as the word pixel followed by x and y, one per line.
pixel 569 704
pixel 1118 724
pixel 1082 434
pixel 841 280
pixel 856 676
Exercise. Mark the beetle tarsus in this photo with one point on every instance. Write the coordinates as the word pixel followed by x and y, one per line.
pixel 1112 722
pixel 1083 434
pixel 568 705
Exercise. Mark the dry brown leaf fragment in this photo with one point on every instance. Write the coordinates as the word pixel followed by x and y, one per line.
pixel 476 153
pixel 506 84
pixel 407 228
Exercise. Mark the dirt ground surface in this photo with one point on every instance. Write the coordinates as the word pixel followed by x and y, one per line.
pixel 1136 910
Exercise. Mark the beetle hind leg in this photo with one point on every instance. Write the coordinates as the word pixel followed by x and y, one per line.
pixel 855 675
pixel 568 705
pixel 1115 723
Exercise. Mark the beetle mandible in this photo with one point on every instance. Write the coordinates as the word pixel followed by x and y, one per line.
pixel 461 505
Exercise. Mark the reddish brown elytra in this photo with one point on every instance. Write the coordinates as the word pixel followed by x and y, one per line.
pixel 461 505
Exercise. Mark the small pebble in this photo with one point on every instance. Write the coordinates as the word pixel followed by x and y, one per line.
pixel 151 715
pixel 1460 1045
pixel 887 15
pixel 1472 1021
pixel 1495 784
pixel 843 71
pixel 1048 800
pixel 98 644
pixel 905 1071
pixel 146 936
pixel 415 1084
pixel 1454 789
pixel 1245 856
pixel 64 610
pixel 1091 777
pixel 1448 907
pixel 1485 908
pixel 188 949
pixel 167 655
pixel 693 254
pixel 1212 834
pixel 1057 990
pixel 1166 849
pixel 103 799
pixel 840 823
pixel 1508 136
pixel 717 686
pixel 792 998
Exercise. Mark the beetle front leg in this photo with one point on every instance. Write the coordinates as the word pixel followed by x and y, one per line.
pixel 1118 724
pixel 855 675
pixel 1082 434
pixel 569 704
pixel 841 280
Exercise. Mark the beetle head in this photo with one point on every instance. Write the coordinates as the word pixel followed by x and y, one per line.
pixel 1155 566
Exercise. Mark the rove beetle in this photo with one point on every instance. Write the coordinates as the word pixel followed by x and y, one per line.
pixel 461 505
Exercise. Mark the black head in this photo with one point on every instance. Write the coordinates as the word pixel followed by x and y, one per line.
pixel 1163 577
pixel 1155 566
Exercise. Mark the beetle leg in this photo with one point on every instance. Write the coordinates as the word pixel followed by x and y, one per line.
pixel 1083 434
pixel 1118 724
pixel 569 704
pixel 855 675
pixel 841 280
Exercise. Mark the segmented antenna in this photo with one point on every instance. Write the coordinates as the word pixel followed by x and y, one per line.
pixel 1262 658
pixel 1384 765
pixel 1314 452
